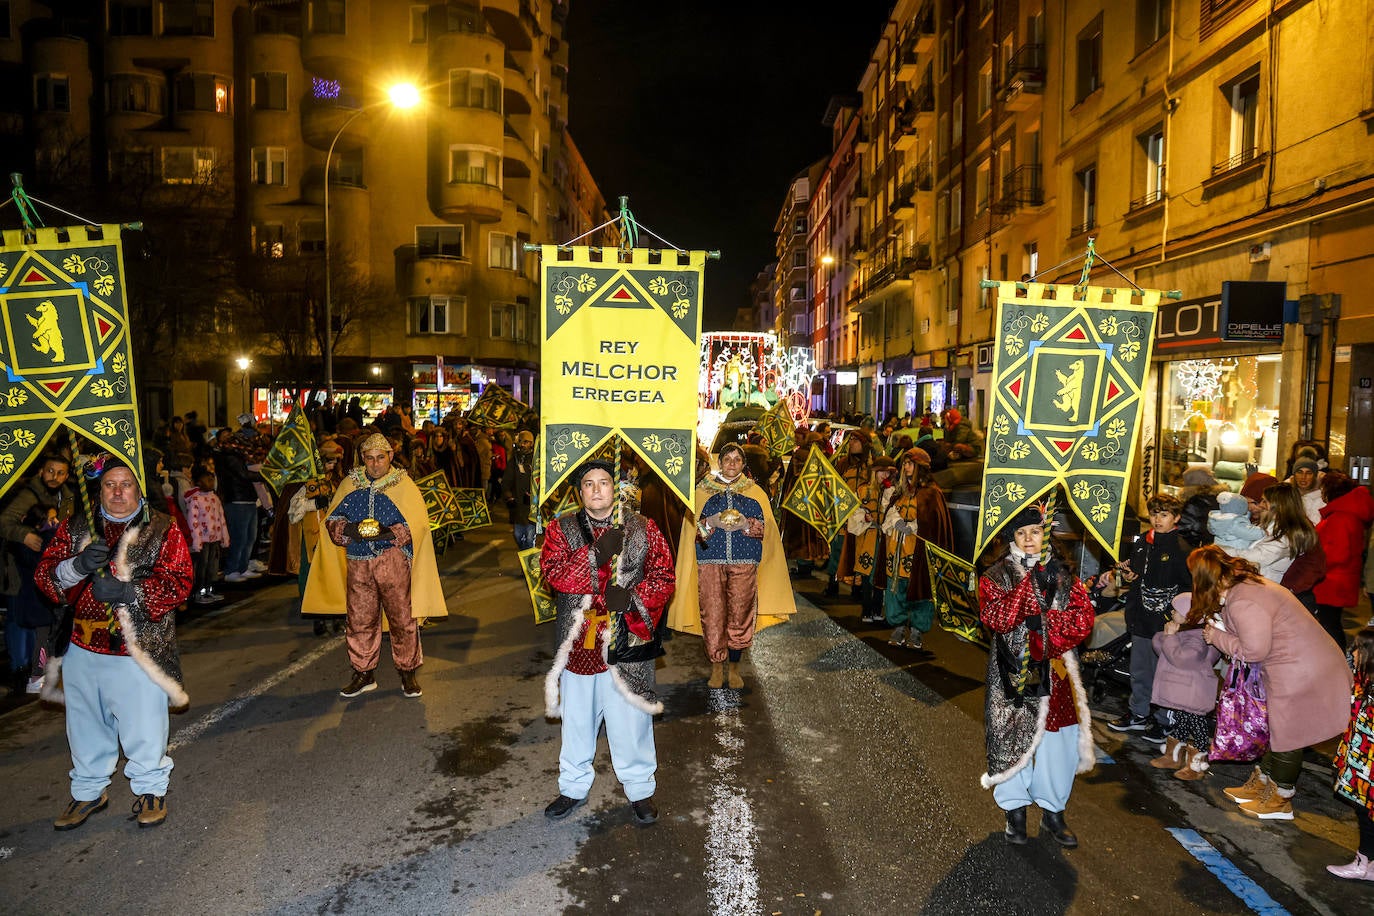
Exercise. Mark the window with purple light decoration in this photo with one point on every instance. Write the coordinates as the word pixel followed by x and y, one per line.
pixel 322 88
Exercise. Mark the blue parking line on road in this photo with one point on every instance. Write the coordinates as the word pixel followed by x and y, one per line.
pixel 1250 893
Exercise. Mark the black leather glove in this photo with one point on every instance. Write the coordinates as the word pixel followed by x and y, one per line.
pixel 109 590
pixel 386 534
pixel 618 599
pixel 92 558
pixel 608 545
pixel 1035 623
pixel 350 531
pixel 1047 576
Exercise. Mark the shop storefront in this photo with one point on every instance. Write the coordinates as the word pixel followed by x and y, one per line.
pixel 1216 386
pixel 438 388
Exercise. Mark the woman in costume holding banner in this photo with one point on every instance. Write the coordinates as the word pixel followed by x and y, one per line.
pixel 1037 722
pixel 735 581
pixel 913 513
pixel 802 543
pixel 864 531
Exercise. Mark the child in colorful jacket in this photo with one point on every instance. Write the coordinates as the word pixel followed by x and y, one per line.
pixel 209 534
pixel 1354 764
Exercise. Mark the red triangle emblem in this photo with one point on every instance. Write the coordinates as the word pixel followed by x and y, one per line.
pixel 1112 389
pixel 1063 445
pixel 622 294
pixel 55 387
pixel 1015 388
pixel 1076 334
pixel 103 326
pixel 34 276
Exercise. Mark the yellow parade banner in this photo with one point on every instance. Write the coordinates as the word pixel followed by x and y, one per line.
pixel 64 345
pixel 620 357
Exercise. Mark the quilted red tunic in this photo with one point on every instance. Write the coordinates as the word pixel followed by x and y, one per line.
pixel 569 571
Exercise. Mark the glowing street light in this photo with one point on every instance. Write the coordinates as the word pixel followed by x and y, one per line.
pixel 401 96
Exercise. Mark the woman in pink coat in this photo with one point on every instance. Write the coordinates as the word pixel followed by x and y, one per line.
pixel 1342 532
pixel 1306 680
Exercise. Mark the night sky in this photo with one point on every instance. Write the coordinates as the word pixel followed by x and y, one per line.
pixel 703 112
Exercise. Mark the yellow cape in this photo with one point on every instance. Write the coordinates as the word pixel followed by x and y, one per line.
pixel 776 601
pixel 326 592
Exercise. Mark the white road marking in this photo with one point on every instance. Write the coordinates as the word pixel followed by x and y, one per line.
pixel 732 879
pixel 193 731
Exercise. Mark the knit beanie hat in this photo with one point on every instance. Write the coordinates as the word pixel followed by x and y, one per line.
pixel 1305 464
pixel 1256 484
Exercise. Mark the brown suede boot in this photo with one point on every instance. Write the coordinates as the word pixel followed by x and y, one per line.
pixel 736 682
pixel 717 678
pixel 1197 765
pixel 1172 756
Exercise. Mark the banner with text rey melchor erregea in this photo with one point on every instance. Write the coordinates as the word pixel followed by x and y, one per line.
pixel 620 357
pixel 1068 375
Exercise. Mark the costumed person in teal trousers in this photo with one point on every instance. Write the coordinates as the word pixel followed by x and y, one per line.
pixel 914 512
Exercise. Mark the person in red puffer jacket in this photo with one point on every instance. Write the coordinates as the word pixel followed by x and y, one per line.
pixel 1342 532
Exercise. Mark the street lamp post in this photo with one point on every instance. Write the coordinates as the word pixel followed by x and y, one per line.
pixel 403 95
pixel 244 363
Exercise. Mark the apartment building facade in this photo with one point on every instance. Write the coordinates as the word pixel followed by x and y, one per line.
pixel 1222 149
pixel 429 209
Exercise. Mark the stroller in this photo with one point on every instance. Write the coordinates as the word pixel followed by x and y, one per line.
pixel 1106 656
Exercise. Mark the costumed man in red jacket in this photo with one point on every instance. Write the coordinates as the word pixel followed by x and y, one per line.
pixel 1038 726
pixel 122 670
pixel 611 584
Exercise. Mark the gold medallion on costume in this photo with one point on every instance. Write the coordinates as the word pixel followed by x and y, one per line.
pixel 731 518
pixel 369 528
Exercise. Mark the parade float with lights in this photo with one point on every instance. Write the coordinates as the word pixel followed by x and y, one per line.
pixel 750 369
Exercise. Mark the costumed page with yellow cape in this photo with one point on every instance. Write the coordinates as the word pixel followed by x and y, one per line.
pixel 775 599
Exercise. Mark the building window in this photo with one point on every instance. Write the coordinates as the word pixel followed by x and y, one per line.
pixel 269 165
pixel 269 240
pixel 501 251
pixel 474 89
pixel 1242 95
pixel 131 165
pixel 278 20
pixel 269 91
pixel 960 33
pixel 956 207
pixel 434 314
pixel 1089 59
pixel 419 24
pixel 1151 22
pixel 130 17
pixel 958 117
pixel 439 241
pixel 465 17
pixel 799 226
pixel 202 92
pixel 1085 199
pixel 327 17
pixel 985 89
pixel 799 259
pixel 984 294
pixel 941 214
pixel 52 92
pixel 946 52
pixel 1032 260
pixel 507 321
pixel 130 93
pixel 188 164
pixel 1152 172
pixel 310 236
pixel 188 17
pixel 474 165
pixel 983 187
pixel 348 168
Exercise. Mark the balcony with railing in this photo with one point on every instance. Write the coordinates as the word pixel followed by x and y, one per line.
pixel 1239 160
pixel 1024 77
pixel 1021 189
pixel 1243 166
pixel 1146 202
pixel 923 29
pixel 1089 223
pixel 915 257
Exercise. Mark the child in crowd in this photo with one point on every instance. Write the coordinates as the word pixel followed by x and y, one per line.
pixel 1156 572
pixel 209 533
pixel 1355 759
pixel 1186 687
pixel 1230 524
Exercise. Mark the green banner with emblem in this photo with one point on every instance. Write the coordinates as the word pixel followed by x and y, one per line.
pixel 64 345
pixel 1069 369
pixel 620 352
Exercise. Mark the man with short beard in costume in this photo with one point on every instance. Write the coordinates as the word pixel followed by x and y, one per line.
pixel 611 583
pixel 378 559
pixel 736 574
pixel 1038 727
pixel 122 670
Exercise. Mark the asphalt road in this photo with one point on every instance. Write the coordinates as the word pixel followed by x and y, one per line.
pixel 843 779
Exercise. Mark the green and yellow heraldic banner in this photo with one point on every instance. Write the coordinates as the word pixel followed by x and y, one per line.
pixel 620 356
pixel 64 346
pixel 1066 402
